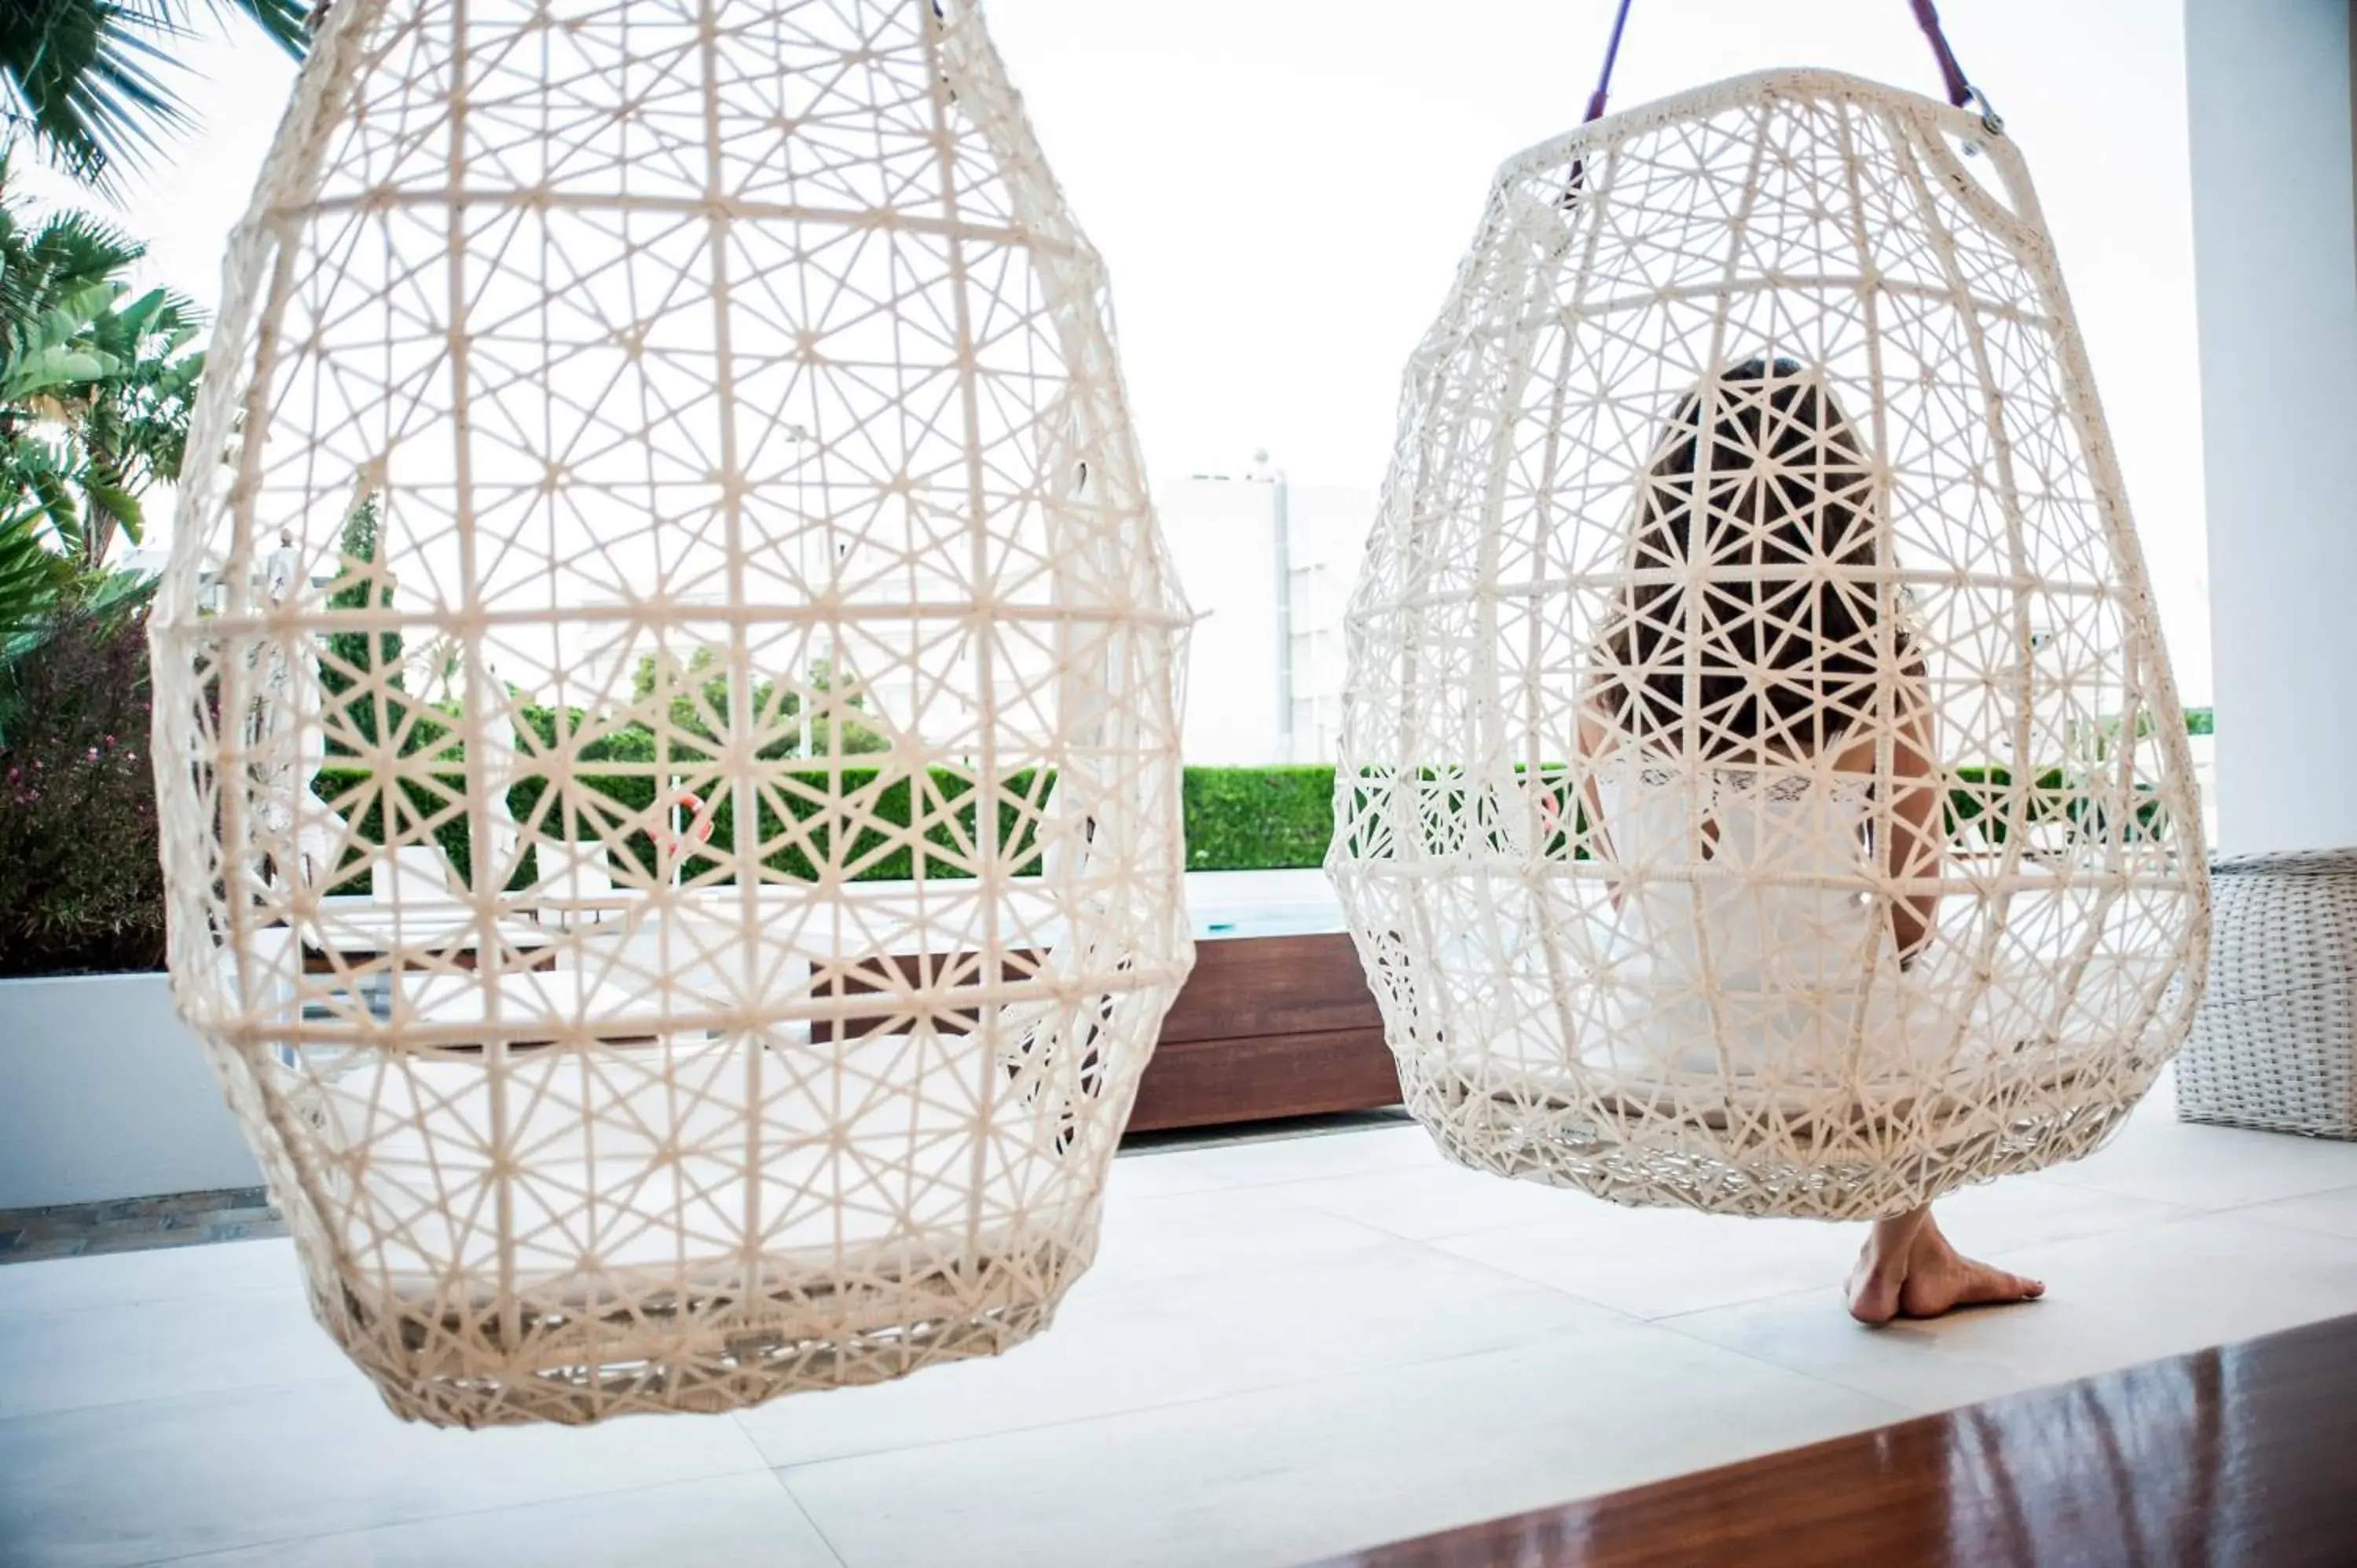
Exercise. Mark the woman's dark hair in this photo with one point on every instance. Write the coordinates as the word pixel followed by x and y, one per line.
pixel 1783 644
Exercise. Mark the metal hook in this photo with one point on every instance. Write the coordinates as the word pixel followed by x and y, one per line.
pixel 1990 121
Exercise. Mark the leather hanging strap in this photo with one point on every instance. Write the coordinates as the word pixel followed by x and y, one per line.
pixel 1611 54
pixel 1960 92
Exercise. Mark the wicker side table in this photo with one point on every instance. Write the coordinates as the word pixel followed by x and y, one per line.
pixel 2274 1041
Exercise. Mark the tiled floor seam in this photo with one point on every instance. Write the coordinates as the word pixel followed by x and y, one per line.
pixel 1833 1288
pixel 1878 1395
pixel 1432 1244
pixel 1437 1244
pixel 1898 1411
pixel 1424 1241
pixel 282 1540
pixel 2258 1203
pixel 26 1315
pixel 778 1474
pixel 8 1417
pixel 2067 1175
pixel 1341 1375
pixel 1257 1183
pixel 2184 1216
pixel 801 1507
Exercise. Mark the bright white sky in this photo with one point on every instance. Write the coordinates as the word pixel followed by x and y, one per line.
pixel 1282 188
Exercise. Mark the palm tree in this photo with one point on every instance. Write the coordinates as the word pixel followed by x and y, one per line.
pixel 95 383
pixel 89 81
pixel 95 387
pixel 54 282
pixel 128 426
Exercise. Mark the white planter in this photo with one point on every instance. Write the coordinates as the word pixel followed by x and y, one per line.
pixel 104 1094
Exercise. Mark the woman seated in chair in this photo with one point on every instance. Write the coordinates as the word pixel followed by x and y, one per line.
pixel 1752 683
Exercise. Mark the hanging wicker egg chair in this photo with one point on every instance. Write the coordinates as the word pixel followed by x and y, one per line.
pixel 730 685
pixel 1761 783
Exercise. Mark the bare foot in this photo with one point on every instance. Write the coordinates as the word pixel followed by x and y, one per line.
pixel 1909 1269
pixel 1873 1289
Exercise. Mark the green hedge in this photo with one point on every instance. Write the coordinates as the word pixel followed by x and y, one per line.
pixel 1457 811
pixel 2053 798
pixel 1238 819
pixel 1258 819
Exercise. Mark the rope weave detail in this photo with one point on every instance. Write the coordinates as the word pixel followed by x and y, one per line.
pixel 667 713
pixel 1762 787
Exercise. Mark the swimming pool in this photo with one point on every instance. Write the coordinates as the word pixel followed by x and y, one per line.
pixel 1222 905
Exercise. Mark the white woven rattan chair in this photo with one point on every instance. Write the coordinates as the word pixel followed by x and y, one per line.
pixel 731 383
pixel 1762 782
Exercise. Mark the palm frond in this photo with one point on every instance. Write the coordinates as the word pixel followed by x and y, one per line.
pixel 74 248
pixel 32 576
pixel 91 79
pixel 108 503
pixel 38 481
pixel 285 21
pixel 82 77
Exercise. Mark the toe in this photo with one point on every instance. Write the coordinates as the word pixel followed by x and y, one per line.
pixel 1985 1285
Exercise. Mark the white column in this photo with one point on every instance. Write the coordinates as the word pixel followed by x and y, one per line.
pixel 2275 233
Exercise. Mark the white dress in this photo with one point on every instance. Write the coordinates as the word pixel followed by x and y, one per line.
pixel 1748 938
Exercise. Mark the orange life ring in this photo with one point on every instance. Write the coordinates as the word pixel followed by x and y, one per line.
pixel 699 824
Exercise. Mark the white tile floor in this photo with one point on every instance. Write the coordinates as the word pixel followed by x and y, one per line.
pixel 1287 1349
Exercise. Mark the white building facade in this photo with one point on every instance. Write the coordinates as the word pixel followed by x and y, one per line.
pixel 1267 565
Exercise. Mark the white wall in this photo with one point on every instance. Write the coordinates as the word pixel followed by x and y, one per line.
pixel 2275 233
pixel 105 1093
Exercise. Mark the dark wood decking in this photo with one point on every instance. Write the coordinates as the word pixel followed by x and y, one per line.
pixel 1268 1027
pixel 1265 1027
pixel 2243 1456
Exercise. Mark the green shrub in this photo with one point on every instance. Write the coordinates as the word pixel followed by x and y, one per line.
pixel 81 888
pixel 2054 796
pixel 612 805
pixel 1979 789
pixel 2150 824
pixel 1456 809
pixel 351 660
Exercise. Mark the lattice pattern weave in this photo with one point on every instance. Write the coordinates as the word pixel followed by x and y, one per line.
pixel 1762 787
pixel 667 710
